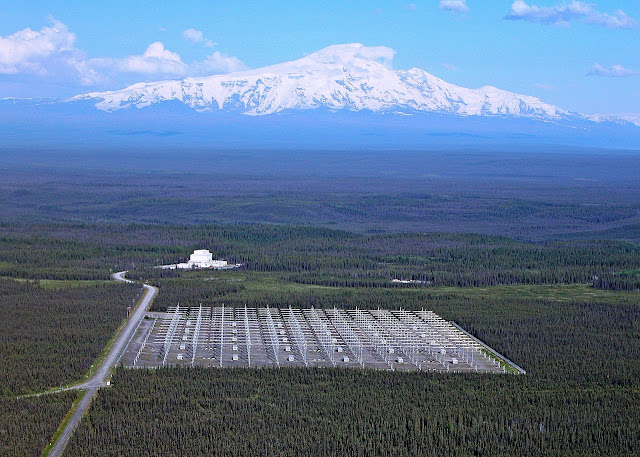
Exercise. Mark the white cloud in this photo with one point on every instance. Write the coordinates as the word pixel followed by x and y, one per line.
pixel 450 66
pixel 30 51
pixel 155 60
pixel 614 71
pixel 87 74
pixel 456 6
pixel 51 53
pixel 563 15
pixel 160 62
pixel 382 54
pixel 196 36
pixel 217 63
pixel 193 35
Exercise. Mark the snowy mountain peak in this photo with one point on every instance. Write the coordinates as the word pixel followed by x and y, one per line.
pixel 350 77
pixel 351 55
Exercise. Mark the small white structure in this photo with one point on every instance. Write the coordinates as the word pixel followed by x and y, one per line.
pixel 201 258
pixel 179 357
pixel 454 361
pixel 345 359
pixel 235 357
pixel 400 360
pixel 291 358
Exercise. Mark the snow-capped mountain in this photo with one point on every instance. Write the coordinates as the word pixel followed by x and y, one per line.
pixel 622 118
pixel 349 77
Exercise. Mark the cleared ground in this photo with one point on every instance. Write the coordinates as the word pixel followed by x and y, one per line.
pixel 293 337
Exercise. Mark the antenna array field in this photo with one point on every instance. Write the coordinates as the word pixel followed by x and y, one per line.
pixel 292 337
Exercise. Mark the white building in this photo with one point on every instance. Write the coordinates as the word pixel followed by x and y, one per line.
pixel 202 258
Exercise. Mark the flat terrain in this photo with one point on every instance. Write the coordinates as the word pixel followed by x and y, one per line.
pixel 27 424
pixel 534 252
pixel 536 193
pixel 292 337
pixel 53 335
pixel 579 397
pixel 99 378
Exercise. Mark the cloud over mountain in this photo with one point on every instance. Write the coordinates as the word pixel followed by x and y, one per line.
pixel 51 52
pixel 31 51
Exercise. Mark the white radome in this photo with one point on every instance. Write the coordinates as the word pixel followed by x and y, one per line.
pixel 201 258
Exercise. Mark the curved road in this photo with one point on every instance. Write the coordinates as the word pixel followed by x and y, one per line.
pixel 101 374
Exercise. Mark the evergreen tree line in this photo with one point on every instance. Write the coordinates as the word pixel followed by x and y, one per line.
pixel 27 424
pixel 50 337
pixel 317 256
pixel 579 397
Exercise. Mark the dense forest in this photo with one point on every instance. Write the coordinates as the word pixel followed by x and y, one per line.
pixel 579 397
pixel 566 309
pixel 541 194
pixel 317 255
pixel 27 424
pixel 50 336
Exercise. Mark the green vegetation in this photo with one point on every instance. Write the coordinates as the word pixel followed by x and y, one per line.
pixel 580 395
pixel 352 413
pixel 566 311
pixel 63 424
pixel 52 333
pixel 548 193
pixel 236 288
pixel 314 255
pixel 51 336
pixel 27 424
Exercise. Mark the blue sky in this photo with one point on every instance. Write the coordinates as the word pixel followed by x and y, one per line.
pixel 582 56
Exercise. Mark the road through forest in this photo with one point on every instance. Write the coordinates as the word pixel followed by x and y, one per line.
pixel 99 378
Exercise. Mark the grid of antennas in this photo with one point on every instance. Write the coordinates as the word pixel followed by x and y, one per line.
pixel 274 337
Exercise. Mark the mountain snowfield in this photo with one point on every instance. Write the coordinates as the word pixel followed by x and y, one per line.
pixel 349 77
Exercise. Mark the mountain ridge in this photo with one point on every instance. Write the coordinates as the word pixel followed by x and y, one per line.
pixel 349 77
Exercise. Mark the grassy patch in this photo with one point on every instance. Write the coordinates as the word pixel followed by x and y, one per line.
pixel 57 284
pixel 55 334
pixel 27 424
pixel 237 288
pixel 74 406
